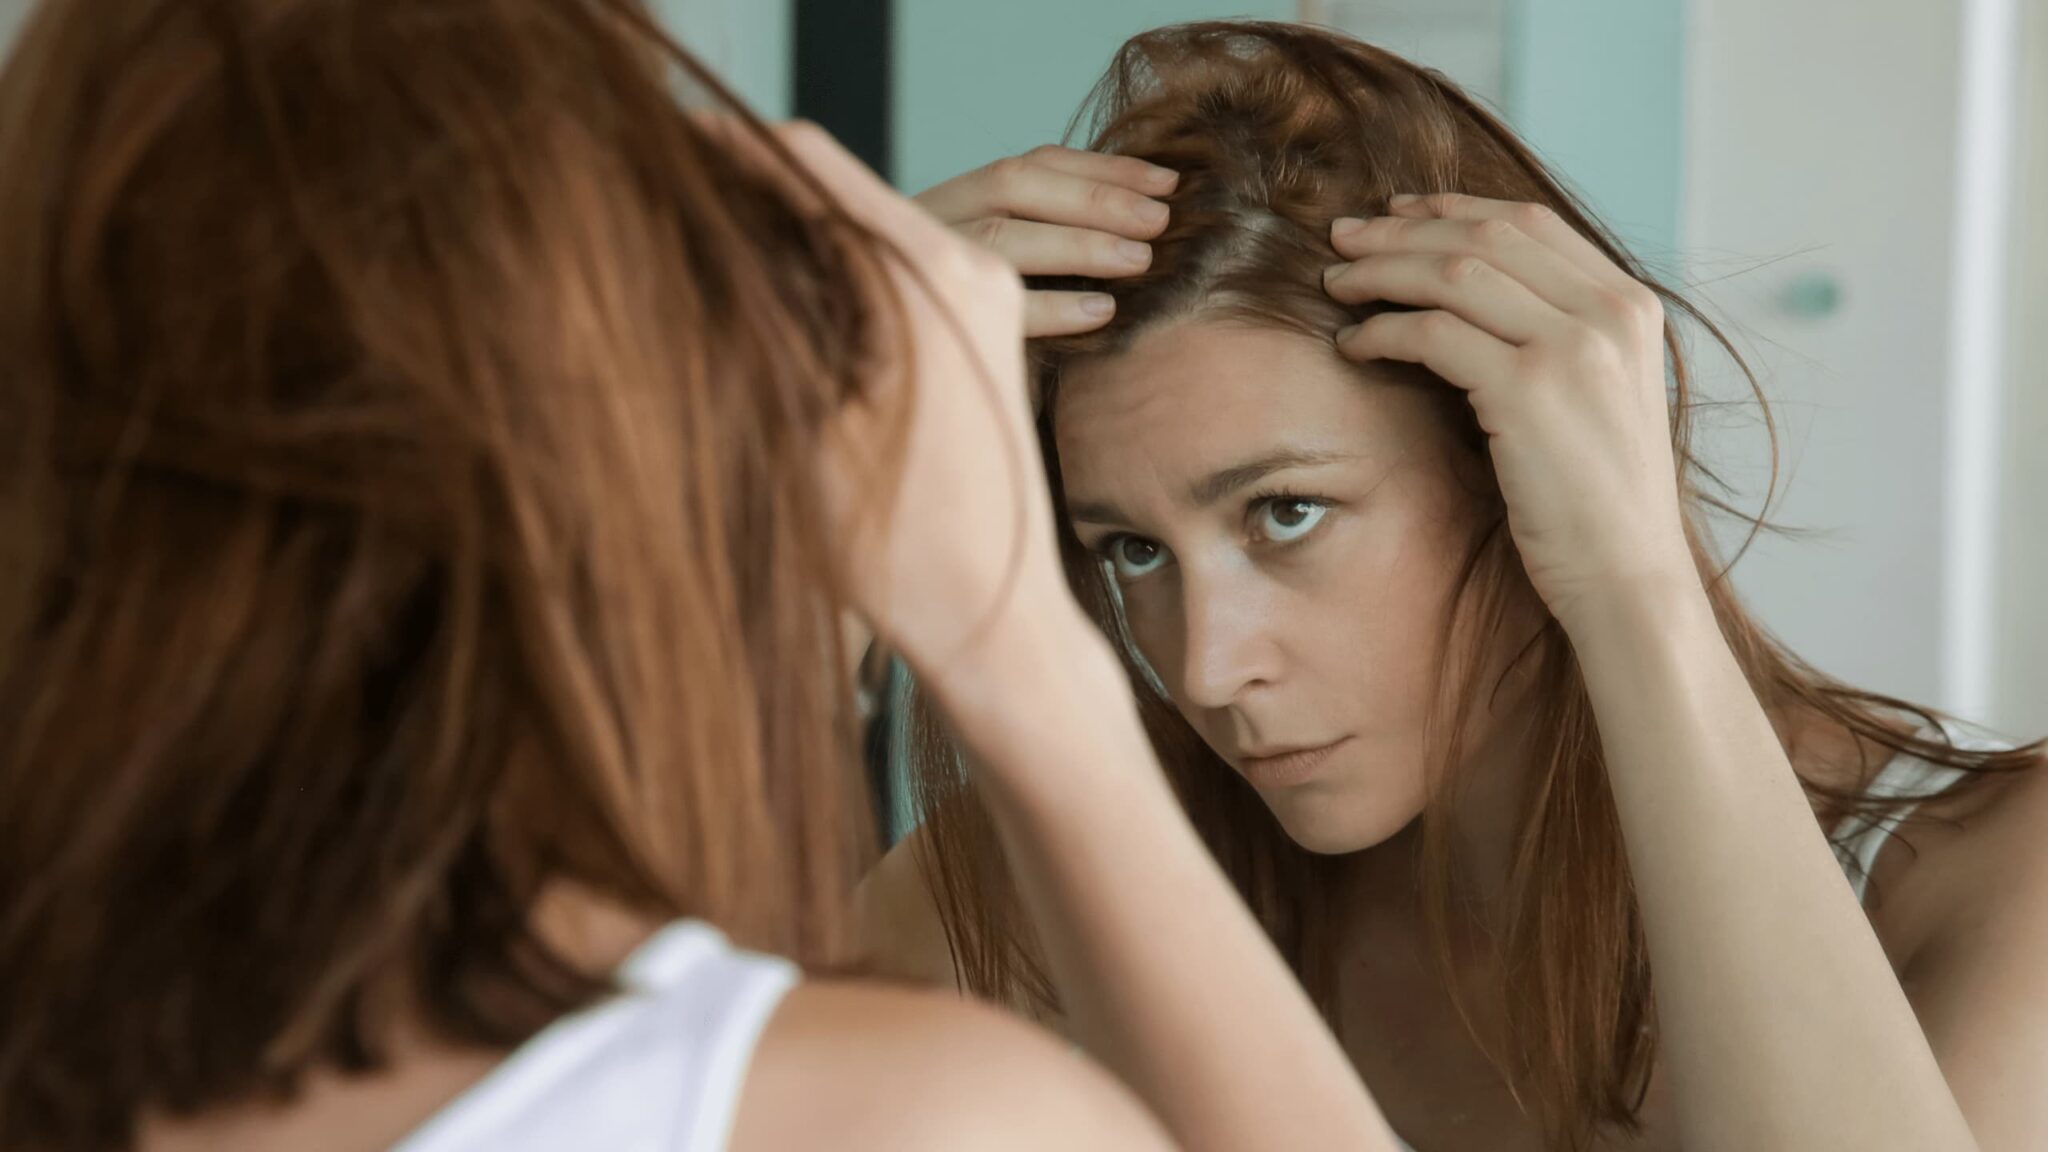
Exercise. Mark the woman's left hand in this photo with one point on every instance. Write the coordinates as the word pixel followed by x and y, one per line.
pixel 1562 356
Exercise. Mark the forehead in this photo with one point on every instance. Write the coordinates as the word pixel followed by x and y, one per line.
pixel 1197 395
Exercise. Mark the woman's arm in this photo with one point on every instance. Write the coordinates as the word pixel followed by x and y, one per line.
pixel 1163 974
pixel 1784 1026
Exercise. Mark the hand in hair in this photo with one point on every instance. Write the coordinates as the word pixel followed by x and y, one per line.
pixel 1561 354
pixel 941 517
pixel 1060 212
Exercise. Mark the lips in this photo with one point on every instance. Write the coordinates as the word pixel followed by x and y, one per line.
pixel 1287 767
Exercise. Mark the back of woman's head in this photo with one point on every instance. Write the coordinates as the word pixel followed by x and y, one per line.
pixel 406 416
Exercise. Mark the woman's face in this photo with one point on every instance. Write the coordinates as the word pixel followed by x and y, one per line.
pixel 1286 533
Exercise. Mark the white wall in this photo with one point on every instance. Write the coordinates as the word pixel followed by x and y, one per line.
pixel 1821 148
pixel 2020 698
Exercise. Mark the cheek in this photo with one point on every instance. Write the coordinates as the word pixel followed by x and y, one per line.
pixel 1383 604
pixel 1360 622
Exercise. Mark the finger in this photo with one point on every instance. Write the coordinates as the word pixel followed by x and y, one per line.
pixel 1019 188
pixel 1036 249
pixel 1066 313
pixel 1446 345
pixel 1464 285
pixel 1123 171
pixel 1544 271
pixel 1537 221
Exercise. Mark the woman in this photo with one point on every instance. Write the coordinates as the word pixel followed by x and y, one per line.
pixel 433 469
pixel 1366 457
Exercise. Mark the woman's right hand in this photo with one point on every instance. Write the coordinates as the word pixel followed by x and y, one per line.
pixel 940 517
pixel 1060 212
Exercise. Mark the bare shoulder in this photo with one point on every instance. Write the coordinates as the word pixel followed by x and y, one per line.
pixel 902 934
pixel 1975 854
pixel 1969 918
pixel 856 1067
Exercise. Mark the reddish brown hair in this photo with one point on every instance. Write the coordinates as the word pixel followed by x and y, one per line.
pixel 408 416
pixel 1276 131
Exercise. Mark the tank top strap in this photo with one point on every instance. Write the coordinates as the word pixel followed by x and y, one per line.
pixel 719 997
pixel 1858 838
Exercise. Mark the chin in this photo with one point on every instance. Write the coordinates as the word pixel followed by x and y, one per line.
pixel 1334 823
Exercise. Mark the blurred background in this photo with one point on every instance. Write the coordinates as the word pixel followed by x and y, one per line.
pixel 1853 185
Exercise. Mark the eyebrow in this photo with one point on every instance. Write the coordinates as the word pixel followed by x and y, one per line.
pixel 1217 485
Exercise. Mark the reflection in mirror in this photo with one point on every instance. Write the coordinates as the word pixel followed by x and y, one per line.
pixel 1423 756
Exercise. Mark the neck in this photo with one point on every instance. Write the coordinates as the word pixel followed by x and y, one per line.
pixel 1481 809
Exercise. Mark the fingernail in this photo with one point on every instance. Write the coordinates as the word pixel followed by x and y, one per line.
pixel 1153 212
pixel 1333 271
pixel 1403 200
pixel 1134 253
pixel 1347 227
pixel 1346 332
pixel 1163 179
pixel 1098 304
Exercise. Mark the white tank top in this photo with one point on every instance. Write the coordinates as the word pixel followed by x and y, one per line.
pixel 657 1069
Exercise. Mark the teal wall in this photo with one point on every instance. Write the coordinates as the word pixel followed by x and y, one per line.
pixel 1597 87
pixel 13 13
pixel 749 43
pixel 981 79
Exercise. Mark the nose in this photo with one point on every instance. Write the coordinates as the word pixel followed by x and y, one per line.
pixel 1228 646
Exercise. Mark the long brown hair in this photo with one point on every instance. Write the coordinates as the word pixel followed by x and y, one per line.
pixel 1277 130
pixel 408 412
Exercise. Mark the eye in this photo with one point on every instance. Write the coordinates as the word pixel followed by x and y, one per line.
pixel 1131 557
pixel 1284 519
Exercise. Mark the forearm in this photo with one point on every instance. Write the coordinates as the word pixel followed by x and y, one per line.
pixel 1162 971
pixel 1783 1024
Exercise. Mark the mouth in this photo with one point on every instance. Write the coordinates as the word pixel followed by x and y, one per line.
pixel 1287 767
